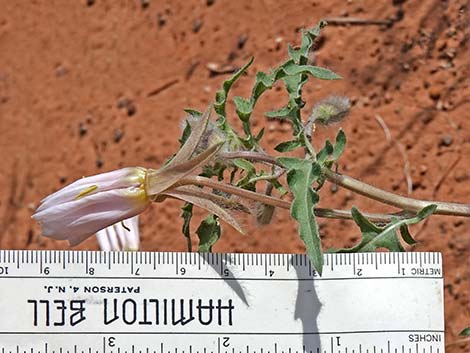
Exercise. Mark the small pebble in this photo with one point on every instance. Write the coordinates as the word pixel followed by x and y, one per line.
pixel 446 141
pixel 161 20
pixel 90 2
pixel 427 117
pixel 131 109
pixel 434 92
pixel 118 134
pixel 197 24
pixel 144 4
pixel 122 103
pixel 99 162
pixel 210 2
pixel 61 71
pixel 441 44
pixel 82 130
pixel 242 41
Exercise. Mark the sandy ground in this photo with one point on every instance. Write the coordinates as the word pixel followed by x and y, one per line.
pixel 90 86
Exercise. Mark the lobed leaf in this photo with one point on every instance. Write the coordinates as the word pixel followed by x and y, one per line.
pixel 221 95
pixel 300 55
pixel 330 153
pixel 300 177
pixel 374 237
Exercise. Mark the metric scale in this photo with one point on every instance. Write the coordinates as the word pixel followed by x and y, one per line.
pixel 149 302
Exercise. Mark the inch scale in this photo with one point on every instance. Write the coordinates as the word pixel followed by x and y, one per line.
pixel 148 302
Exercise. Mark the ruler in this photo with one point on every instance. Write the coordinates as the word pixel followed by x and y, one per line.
pixel 155 302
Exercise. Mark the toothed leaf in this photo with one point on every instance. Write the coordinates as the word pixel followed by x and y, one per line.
pixel 374 237
pixel 300 178
pixel 221 95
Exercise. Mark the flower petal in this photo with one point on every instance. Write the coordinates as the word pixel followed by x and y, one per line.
pixel 78 219
pixel 122 178
pixel 120 236
pixel 104 239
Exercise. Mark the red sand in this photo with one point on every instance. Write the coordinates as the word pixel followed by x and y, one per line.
pixel 67 68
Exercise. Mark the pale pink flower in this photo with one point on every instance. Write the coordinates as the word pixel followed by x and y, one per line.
pixel 90 204
pixel 120 236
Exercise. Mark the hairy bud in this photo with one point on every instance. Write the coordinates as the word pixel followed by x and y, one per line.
pixel 330 110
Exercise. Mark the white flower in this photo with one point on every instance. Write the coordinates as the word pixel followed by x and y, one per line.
pixel 90 204
pixel 120 236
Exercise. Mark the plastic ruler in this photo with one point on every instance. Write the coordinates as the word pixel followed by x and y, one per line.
pixel 153 302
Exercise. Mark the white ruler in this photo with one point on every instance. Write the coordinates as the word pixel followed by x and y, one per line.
pixel 97 302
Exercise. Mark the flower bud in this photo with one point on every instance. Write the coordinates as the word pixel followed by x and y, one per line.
pixel 90 204
pixel 330 110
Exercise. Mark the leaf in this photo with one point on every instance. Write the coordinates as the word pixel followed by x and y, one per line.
pixel 339 145
pixel 330 153
pixel 250 172
pixel 208 233
pixel 260 135
pixel 374 237
pixel 290 162
pixel 300 177
pixel 325 152
pixel 187 214
pixel 465 332
pixel 243 108
pixel 290 68
pixel 185 135
pixel 221 95
pixel 247 166
pixel 193 112
pixel 300 55
pixel 288 146
pixel 281 113
pixel 278 186
pixel 406 236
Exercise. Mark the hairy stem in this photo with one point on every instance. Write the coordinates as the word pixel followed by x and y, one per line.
pixel 273 201
pixel 372 192
pixel 403 202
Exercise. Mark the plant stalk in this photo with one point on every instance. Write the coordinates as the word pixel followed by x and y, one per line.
pixel 372 192
pixel 276 202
